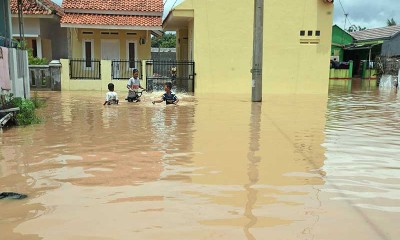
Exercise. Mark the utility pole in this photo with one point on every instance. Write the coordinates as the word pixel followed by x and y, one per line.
pixel 256 94
pixel 22 43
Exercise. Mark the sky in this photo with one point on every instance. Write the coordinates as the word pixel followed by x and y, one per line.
pixel 364 13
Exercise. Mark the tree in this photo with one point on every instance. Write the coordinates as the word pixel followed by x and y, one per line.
pixel 168 40
pixel 354 28
pixel 391 22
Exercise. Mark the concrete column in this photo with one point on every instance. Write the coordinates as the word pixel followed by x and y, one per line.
pixel 39 47
pixel 55 74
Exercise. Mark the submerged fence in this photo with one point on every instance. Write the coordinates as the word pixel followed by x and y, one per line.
pixel 180 73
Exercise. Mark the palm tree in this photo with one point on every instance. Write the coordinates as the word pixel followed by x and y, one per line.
pixel 391 22
pixel 354 28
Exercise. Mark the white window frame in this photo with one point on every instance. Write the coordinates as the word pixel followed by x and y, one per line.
pixel 84 41
pixel 136 52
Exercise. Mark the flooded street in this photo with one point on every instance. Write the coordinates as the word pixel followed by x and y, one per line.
pixel 215 167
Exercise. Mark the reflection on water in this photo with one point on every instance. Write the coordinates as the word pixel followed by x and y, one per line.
pixel 254 147
pixel 214 167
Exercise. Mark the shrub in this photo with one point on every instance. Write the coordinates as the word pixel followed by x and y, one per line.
pixel 26 114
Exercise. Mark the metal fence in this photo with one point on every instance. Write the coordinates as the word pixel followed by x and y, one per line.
pixel 123 69
pixel 180 73
pixel 84 69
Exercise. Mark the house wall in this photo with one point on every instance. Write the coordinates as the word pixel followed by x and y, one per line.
pixel 51 38
pixel 56 37
pixel 340 36
pixel 77 38
pixel 47 49
pixel 391 47
pixel 223 39
pixel 31 26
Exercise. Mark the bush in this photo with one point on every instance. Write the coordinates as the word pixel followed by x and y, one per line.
pixel 34 60
pixel 26 114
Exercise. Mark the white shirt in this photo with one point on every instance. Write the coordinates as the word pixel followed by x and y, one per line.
pixel 134 83
pixel 111 96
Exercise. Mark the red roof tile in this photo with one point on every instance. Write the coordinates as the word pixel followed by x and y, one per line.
pixel 43 7
pixel 116 20
pixel 115 5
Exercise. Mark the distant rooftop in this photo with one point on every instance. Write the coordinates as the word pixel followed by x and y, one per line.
pixel 115 5
pixel 376 33
pixel 37 7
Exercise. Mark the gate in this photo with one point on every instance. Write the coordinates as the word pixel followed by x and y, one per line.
pixel 180 73
pixel 123 69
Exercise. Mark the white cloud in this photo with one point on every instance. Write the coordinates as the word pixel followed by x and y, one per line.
pixel 366 13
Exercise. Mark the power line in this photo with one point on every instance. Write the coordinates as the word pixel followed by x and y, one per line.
pixel 346 15
pixel 344 12
pixel 173 5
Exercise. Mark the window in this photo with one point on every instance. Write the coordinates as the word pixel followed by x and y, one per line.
pixel 132 54
pixel 88 52
pixel 317 33
pixel 302 33
pixel 310 33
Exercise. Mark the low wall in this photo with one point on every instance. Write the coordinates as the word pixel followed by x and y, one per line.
pixel 68 84
pixel 369 74
pixel 340 74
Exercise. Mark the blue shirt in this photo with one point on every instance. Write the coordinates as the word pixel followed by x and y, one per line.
pixel 169 98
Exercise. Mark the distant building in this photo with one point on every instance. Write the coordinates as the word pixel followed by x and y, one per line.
pixel 163 54
pixel 340 39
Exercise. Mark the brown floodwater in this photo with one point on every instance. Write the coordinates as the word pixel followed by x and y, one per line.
pixel 214 167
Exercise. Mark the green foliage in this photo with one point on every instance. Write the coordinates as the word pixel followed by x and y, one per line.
pixel 168 40
pixel 26 114
pixel 354 28
pixel 34 60
pixel 391 22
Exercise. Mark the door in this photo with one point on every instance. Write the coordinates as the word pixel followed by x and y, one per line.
pixel 110 51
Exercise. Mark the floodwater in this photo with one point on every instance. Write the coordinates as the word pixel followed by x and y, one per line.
pixel 214 167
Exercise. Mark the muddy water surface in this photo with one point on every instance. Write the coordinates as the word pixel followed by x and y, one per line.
pixel 214 167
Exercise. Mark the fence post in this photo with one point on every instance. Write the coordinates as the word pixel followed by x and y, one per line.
pixel 144 73
pixel 350 69
pixel 55 74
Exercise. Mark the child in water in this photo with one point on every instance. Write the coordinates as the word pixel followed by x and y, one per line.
pixel 168 96
pixel 133 85
pixel 111 96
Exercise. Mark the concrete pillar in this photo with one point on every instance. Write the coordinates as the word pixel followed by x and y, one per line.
pixel 55 74
pixel 39 47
